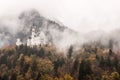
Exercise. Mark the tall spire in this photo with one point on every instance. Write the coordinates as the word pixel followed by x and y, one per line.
pixel 33 33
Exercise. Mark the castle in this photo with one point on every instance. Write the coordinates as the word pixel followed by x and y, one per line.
pixel 34 40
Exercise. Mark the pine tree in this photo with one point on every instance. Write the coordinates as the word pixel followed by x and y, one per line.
pixel 70 51
pixel 69 55
pixel 75 66
pixel 84 69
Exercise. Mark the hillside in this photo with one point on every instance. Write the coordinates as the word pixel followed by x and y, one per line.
pixel 46 63
pixel 20 27
pixel 71 56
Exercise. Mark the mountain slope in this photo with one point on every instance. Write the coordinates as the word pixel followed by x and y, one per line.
pixel 32 19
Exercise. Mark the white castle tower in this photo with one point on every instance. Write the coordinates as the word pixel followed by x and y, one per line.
pixel 33 36
pixel 42 38
pixel 36 40
pixel 28 42
pixel 18 43
pixel 33 33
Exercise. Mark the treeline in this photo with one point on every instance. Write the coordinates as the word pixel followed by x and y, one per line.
pixel 46 63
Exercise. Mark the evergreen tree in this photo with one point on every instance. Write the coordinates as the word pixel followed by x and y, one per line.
pixel 69 55
pixel 42 53
pixel 14 76
pixel 75 66
pixel 84 69
pixel 101 63
pixel 70 51
pixel 110 52
pixel 58 64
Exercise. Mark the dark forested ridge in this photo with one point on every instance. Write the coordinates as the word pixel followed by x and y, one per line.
pixel 46 63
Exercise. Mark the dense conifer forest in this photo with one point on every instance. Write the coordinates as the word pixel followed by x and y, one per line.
pixel 46 63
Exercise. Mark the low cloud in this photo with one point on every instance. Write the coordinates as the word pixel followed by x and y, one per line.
pixel 62 37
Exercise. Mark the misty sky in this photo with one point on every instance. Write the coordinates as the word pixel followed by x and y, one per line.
pixel 80 15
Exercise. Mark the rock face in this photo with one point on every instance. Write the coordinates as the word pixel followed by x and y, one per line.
pixel 32 19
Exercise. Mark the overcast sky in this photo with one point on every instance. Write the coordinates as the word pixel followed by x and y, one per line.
pixel 80 15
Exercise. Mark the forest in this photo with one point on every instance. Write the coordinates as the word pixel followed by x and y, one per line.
pixel 89 62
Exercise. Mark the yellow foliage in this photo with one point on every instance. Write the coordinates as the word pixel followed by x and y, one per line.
pixel 20 77
pixel 106 76
pixel 20 57
pixel 58 78
pixel 45 65
pixel 28 59
pixel 92 58
pixel 115 76
pixel 46 77
pixel 68 77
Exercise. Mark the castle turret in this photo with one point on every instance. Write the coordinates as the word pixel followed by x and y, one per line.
pixel 42 38
pixel 33 36
pixel 29 42
pixel 33 33
pixel 18 43
pixel 34 40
